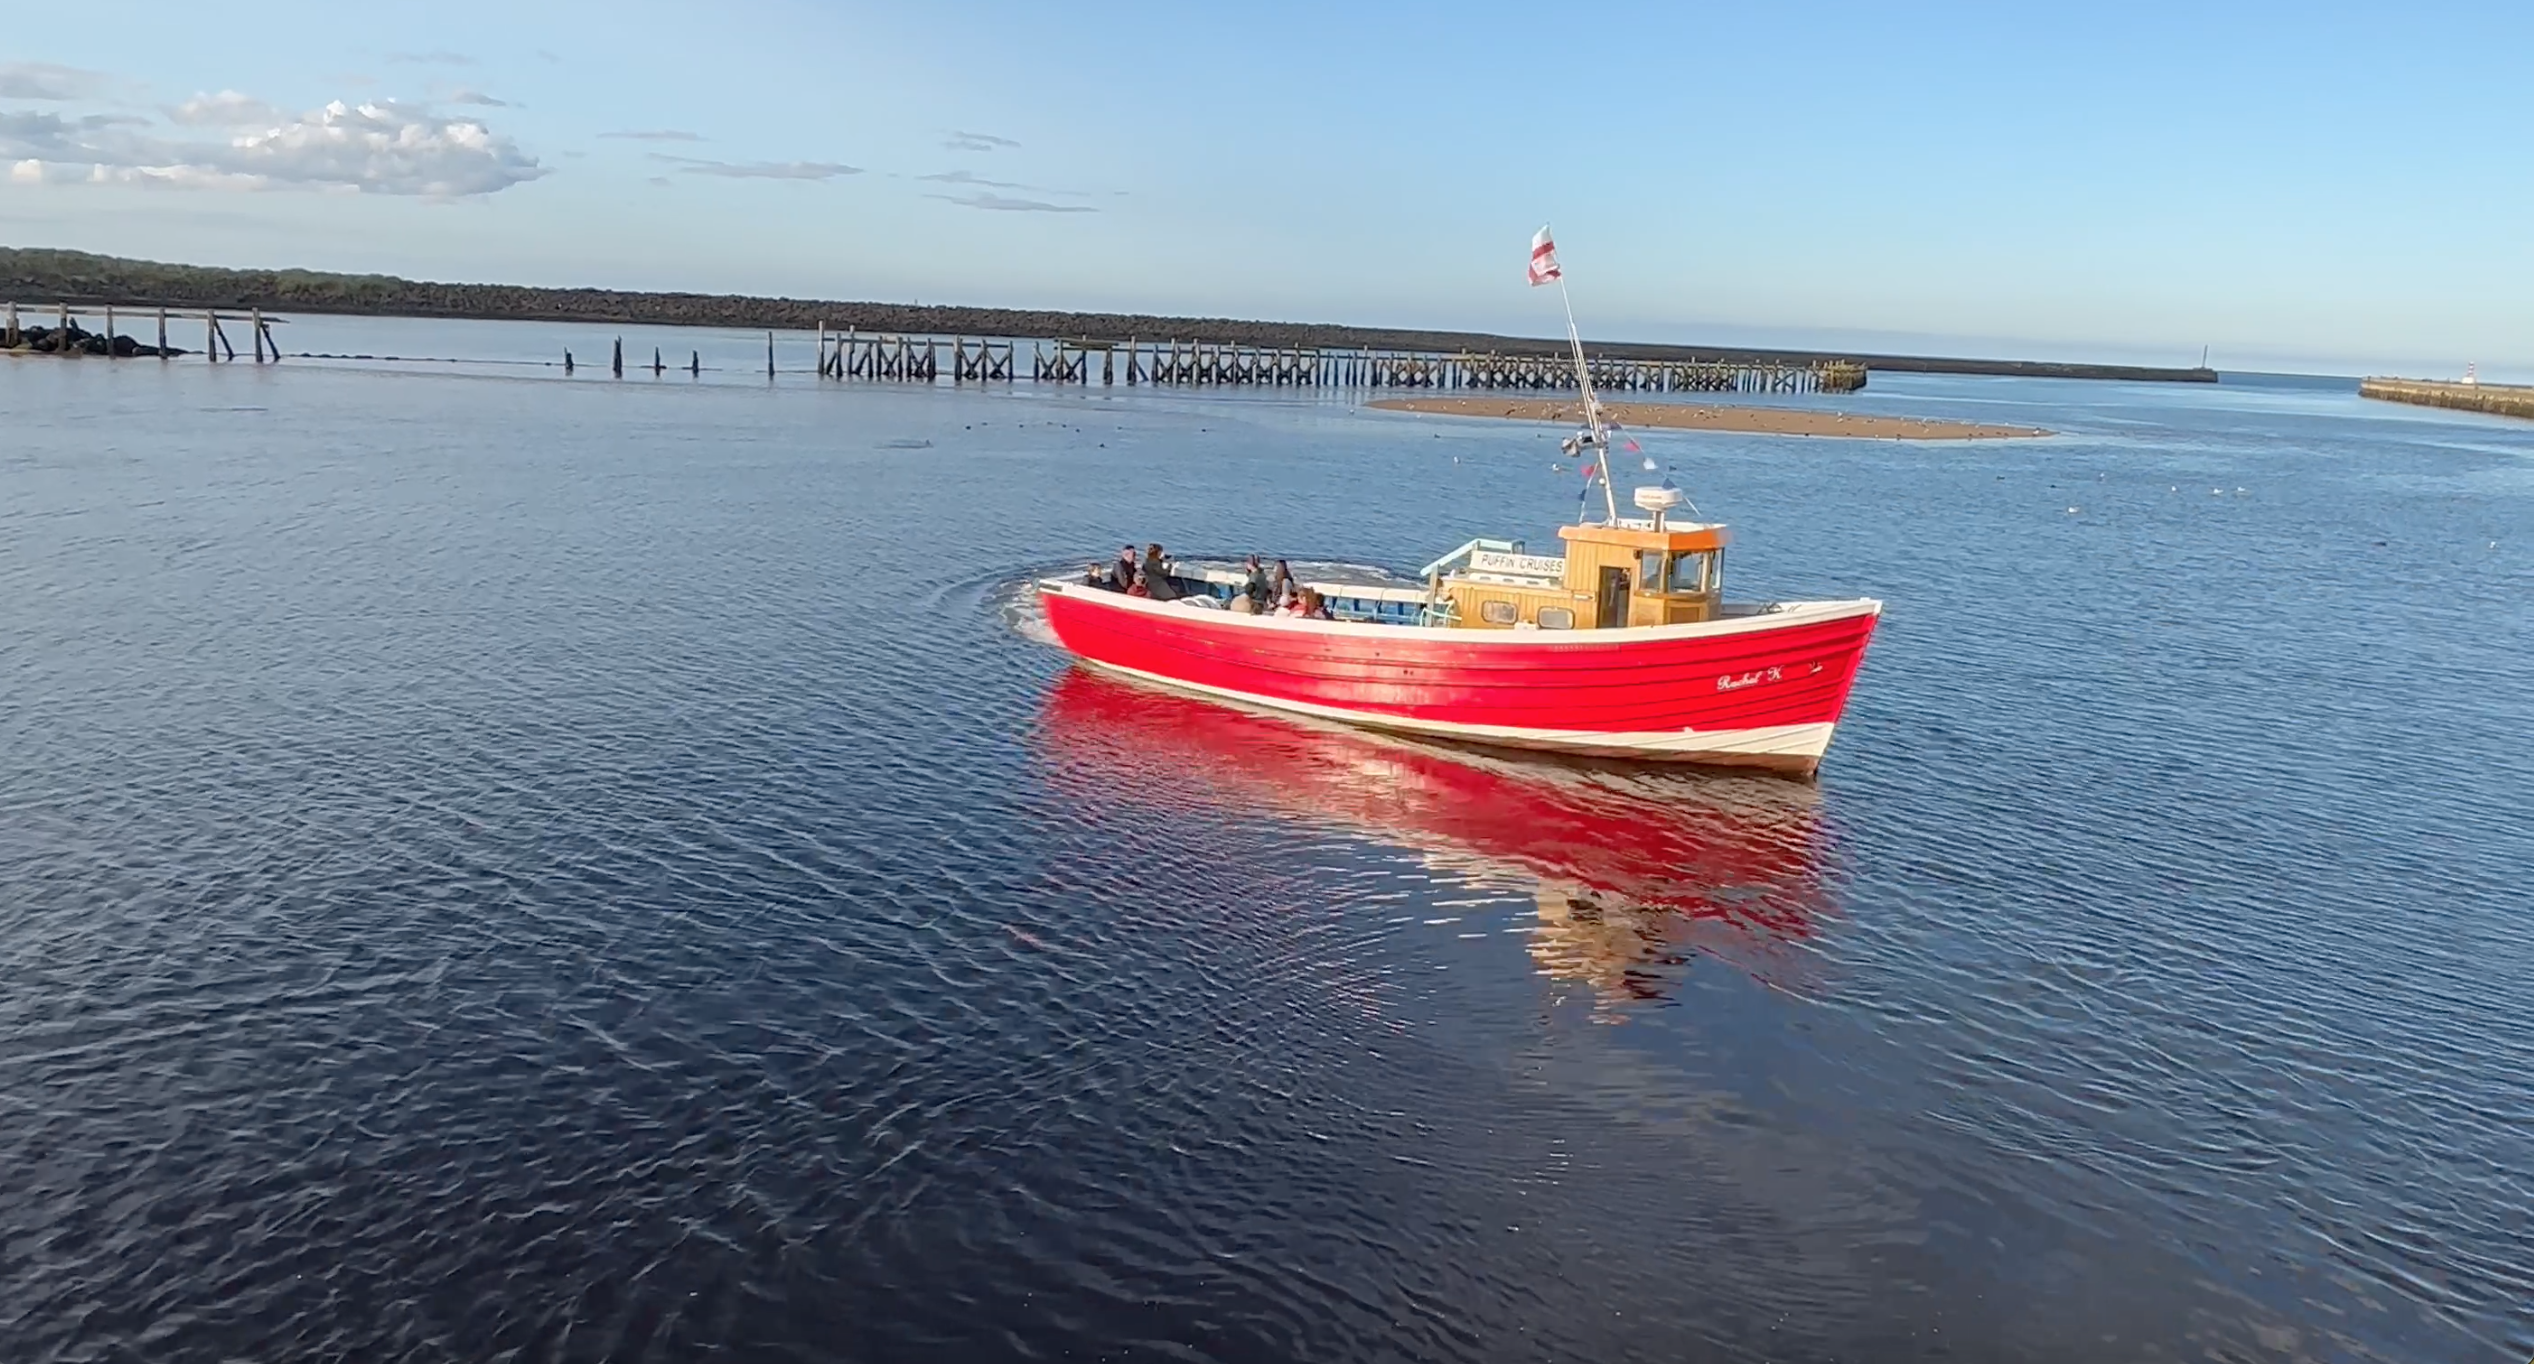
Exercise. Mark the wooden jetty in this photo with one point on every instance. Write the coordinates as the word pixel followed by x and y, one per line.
pixel 853 355
pixel 850 355
pixel 2505 400
pixel 66 337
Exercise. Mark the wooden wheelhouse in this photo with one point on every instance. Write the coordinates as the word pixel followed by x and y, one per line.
pixel 1611 577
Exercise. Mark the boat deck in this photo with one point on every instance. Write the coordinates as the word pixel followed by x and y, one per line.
pixel 1353 593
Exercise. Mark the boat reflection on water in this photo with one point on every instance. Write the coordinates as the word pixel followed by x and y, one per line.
pixel 1633 872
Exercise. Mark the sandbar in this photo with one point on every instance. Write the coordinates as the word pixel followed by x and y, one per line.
pixel 1767 421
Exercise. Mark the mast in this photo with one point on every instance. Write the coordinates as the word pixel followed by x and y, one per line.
pixel 1592 401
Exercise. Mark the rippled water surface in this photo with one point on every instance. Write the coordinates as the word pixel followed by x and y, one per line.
pixel 499 867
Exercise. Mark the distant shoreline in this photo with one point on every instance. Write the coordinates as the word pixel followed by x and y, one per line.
pixel 36 277
pixel 1770 421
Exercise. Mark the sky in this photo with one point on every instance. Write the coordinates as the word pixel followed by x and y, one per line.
pixel 2317 187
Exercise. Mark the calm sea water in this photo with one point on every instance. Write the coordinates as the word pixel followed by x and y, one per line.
pixel 500 867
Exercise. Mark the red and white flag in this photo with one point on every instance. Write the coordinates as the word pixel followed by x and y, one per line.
pixel 1544 259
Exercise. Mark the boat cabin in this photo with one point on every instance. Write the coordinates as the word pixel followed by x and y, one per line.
pixel 1613 575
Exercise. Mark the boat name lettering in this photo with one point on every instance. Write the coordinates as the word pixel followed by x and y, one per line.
pixel 1523 565
pixel 1732 683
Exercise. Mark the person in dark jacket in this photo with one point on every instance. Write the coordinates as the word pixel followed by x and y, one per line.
pixel 1123 571
pixel 1155 576
pixel 1262 597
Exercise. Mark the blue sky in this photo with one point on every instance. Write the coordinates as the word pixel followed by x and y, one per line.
pixel 2319 187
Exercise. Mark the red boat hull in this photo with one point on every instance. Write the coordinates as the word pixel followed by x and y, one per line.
pixel 1762 690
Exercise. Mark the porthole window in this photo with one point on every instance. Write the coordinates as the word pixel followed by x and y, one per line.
pixel 1497 612
pixel 1556 618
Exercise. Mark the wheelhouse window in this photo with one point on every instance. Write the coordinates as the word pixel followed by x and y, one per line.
pixel 1497 612
pixel 1687 575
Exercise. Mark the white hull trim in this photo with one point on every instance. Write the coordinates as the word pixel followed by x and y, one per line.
pixel 1781 615
pixel 1783 748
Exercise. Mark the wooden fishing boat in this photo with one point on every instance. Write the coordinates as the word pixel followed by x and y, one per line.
pixel 1622 646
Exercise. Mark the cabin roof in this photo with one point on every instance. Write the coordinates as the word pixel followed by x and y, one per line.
pixel 1678 536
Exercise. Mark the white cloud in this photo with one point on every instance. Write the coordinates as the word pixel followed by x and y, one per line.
pixel 386 149
pixel 228 109
pixel 972 180
pixel 960 177
pixel 463 95
pixel 759 170
pixel 977 142
pixel 1000 204
pixel 375 148
pixel 25 136
pixel 35 172
pixel 44 80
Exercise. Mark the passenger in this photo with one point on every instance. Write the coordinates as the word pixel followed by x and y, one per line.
pixel 1255 590
pixel 1096 576
pixel 1315 606
pixel 1155 576
pixel 1284 587
pixel 1123 572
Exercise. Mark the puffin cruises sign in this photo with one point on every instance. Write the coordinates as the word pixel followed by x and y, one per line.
pixel 1517 565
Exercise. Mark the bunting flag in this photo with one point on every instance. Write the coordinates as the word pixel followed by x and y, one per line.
pixel 1544 259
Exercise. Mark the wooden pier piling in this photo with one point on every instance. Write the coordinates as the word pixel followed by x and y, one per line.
pixel 1177 362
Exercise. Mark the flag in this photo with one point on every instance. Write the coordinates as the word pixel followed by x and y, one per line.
pixel 1544 259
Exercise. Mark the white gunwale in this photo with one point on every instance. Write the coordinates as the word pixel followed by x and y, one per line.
pixel 1785 615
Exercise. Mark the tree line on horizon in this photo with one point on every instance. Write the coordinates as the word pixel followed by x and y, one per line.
pixel 81 277
pixel 41 275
